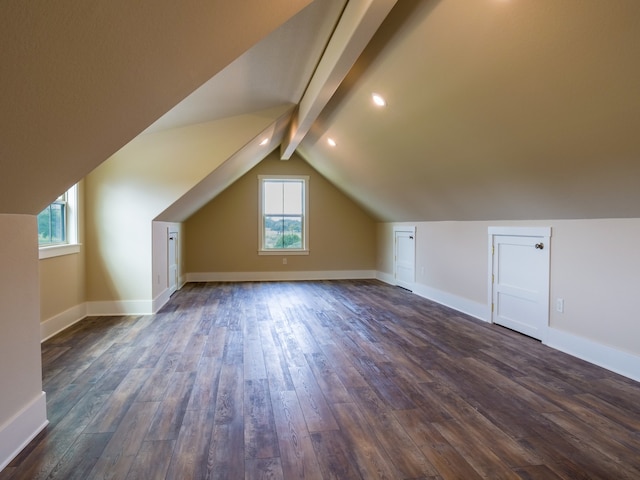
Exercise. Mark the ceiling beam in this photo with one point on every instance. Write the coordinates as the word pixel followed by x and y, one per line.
pixel 358 23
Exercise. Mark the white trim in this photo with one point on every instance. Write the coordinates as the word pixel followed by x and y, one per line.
pixel 612 359
pixel 23 427
pixel 120 307
pixel 58 250
pixel 521 231
pixel 305 216
pixel 280 276
pixel 62 321
pixel 161 300
pixel 461 304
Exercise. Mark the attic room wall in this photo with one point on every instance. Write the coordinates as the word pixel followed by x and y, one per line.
pixel 222 237
pixel 22 403
pixel 128 191
pixel 62 283
pixel 594 268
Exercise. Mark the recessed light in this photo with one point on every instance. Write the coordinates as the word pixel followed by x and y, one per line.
pixel 331 142
pixel 378 100
pixel 264 141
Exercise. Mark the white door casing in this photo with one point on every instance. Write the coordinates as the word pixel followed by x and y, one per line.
pixel 404 264
pixel 519 279
pixel 173 261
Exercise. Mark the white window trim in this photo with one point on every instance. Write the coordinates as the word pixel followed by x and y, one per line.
pixel 71 246
pixel 284 251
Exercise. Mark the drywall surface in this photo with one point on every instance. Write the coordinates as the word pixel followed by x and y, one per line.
pixel 594 268
pixel 223 235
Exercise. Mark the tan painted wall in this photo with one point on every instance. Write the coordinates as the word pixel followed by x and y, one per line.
pixel 129 190
pixel 20 363
pixel 62 279
pixel 594 268
pixel 223 235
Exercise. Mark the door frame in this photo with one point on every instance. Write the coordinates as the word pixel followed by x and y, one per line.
pixel 175 234
pixel 411 229
pixel 545 233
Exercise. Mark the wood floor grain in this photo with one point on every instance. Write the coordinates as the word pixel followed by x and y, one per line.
pixel 320 380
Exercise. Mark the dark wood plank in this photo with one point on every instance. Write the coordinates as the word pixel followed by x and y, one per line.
pixel 329 379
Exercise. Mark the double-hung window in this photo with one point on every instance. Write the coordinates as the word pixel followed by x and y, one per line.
pixel 57 226
pixel 283 215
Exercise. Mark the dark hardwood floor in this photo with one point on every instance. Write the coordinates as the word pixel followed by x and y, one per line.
pixel 347 379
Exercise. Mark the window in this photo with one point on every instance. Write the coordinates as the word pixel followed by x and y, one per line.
pixel 283 215
pixel 57 226
pixel 52 223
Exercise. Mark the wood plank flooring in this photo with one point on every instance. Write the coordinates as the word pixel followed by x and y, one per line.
pixel 323 380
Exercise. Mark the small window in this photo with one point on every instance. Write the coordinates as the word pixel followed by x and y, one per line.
pixel 58 226
pixel 283 214
pixel 52 223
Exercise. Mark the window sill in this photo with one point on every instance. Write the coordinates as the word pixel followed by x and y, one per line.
pixel 283 252
pixel 59 250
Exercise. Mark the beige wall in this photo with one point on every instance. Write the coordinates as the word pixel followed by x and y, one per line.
pixel 62 279
pixel 594 268
pixel 20 363
pixel 130 189
pixel 223 235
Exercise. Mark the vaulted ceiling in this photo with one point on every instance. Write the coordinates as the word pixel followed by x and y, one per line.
pixel 496 109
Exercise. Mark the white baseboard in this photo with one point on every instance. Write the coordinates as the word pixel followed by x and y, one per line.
pixel 612 359
pixel 280 276
pixel 617 361
pixel 120 307
pixel 16 433
pixel 464 305
pixel 61 321
pixel 161 300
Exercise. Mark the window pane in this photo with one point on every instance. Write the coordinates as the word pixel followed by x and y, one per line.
pixel 57 223
pixel 273 197
pixel 292 198
pixel 44 226
pixel 282 232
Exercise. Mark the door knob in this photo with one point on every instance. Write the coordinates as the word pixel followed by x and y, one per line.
pixel 540 246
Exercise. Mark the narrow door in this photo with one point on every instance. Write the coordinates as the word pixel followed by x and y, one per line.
pixel 520 299
pixel 405 253
pixel 173 262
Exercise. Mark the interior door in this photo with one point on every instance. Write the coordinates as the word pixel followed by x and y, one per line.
pixel 520 280
pixel 173 261
pixel 405 254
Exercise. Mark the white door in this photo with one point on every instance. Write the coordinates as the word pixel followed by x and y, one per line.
pixel 520 283
pixel 173 262
pixel 405 255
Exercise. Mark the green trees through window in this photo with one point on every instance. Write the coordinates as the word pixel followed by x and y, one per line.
pixel 52 223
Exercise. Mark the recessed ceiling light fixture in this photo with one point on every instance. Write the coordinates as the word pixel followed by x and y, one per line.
pixel 331 142
pixel 264 141
pixel 378 100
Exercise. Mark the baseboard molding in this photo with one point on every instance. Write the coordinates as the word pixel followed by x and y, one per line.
pixel 22 428
pixel 464 305
pixel 623 363
pixel 280 276
pixel 614 360
pixel 62 321
pixel 120 307
pixel 161 300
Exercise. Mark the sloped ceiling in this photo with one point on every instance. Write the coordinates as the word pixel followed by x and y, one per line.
pixel 497 109
pixel 81 79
